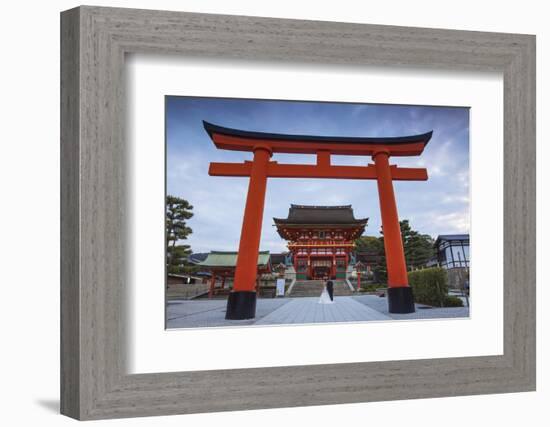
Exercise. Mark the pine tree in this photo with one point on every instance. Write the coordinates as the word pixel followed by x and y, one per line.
pixel 418 249
pixel 178 211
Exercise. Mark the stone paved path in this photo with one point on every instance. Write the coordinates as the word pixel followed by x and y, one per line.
pixel 211 313
pixel 308 310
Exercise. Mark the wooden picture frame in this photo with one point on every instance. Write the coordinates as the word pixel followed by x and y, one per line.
pixel 94 41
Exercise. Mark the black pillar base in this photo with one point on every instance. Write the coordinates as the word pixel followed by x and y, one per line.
pixel 400 300
pixel 241 305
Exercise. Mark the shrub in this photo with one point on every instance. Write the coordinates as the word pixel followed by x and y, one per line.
pixel 451 301
pixel 429 286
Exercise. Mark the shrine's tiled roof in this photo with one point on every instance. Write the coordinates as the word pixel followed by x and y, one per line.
pixel 320 215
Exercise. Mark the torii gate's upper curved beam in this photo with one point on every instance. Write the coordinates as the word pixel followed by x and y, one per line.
pixel 241 140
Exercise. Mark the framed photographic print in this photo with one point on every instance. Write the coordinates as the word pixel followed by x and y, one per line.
pixel 262 213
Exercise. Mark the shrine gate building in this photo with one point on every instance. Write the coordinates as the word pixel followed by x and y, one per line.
pixel 320 239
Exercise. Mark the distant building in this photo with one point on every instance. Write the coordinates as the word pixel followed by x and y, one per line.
pixel 453 250
pixel 321 239
pixel 365 261
pixel 278 259
pixel 221 265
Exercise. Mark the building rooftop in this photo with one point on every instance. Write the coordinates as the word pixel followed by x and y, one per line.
pixel 195 258
pixel 229 259
pixel 453 237
pixel 320 215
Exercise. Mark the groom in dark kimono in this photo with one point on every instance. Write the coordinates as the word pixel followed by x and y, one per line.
pixel 330 289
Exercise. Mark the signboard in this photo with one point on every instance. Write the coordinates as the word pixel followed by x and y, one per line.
pixel 280 287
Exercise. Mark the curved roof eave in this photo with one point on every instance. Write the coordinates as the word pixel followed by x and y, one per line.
pixel 409 139
pixel 287 222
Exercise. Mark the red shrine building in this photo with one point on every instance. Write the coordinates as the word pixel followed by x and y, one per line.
pixel 320 239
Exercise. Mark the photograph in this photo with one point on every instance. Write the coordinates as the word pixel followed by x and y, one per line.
pixel 295 212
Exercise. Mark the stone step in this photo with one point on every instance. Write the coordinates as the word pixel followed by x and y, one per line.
pixel 312 288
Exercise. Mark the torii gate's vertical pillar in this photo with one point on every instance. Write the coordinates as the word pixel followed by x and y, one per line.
pixel 241 303
pixel 400 297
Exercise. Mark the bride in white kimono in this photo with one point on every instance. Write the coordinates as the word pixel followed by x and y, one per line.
pixel 325 297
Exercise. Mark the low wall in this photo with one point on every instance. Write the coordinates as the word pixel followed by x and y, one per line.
pixel 185 291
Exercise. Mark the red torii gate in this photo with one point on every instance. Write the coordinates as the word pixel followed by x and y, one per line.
pixel 241 303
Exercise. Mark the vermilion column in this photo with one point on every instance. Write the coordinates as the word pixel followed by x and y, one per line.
pixel 212 285
pixel 400 298
pixel 241 303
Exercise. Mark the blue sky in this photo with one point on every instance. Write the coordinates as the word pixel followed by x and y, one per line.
pixel 437 206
